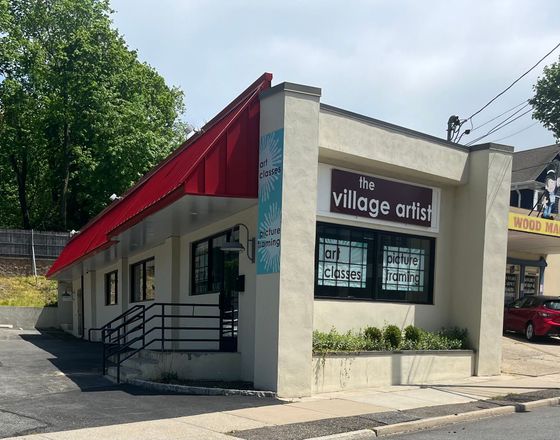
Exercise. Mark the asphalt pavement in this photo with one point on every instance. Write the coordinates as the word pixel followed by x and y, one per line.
pixel 540 424
pixel 51 381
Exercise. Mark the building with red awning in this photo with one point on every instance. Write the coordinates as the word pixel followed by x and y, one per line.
pixel 282 216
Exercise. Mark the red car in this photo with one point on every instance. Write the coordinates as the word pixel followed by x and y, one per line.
pixel 533 316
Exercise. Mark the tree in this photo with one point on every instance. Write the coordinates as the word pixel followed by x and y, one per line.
pixel 546 102
pixel 82 117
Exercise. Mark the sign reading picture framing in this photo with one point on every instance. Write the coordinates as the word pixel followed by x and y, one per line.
pixel 403 269
pixel 271 156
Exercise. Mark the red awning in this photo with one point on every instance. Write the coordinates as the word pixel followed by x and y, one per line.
pixel 221 160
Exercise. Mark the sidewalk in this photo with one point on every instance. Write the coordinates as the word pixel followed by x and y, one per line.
pixel 331 413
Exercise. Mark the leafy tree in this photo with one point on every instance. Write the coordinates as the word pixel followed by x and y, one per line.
pixel 546 102
pixel 80 116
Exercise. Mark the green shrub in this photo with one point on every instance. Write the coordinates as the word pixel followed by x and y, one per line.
pixel 392 336
pixel 334 341
pixel 373 334
pixel 412 334
pixel 455 334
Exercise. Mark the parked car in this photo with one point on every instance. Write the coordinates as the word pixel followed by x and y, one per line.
pixel 533 316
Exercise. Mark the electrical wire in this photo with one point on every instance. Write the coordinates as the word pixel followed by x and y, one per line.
pixel 498 127
pixel 517 132
pixel 499 116
pixel 513 83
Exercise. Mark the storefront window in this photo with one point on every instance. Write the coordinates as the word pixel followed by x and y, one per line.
pixel 211 267
pixel 142 281
pixel 375 265
pixel 111 288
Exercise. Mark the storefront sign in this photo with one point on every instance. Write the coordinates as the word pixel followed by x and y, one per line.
pixel 342 263
pixel 403 269
pixel 271 155
pixel 375 198
pixel 533 225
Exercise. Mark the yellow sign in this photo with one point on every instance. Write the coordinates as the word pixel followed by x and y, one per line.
pixel 533 225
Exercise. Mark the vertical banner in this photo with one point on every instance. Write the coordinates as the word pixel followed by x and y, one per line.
pixel 271 156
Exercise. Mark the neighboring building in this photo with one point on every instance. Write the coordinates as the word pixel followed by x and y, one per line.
pixel 344 220
pixel 533 261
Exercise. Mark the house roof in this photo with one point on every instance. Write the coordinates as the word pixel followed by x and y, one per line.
pixel 529 164
pixel 221 160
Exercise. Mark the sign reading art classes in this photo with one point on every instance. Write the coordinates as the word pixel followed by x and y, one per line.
pixel 342 263
pixel 375 198
pixel 271 156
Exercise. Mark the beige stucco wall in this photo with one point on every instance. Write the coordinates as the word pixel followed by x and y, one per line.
pixel 347 140
pixel 284 306
pixel 552 275
pixel 357 371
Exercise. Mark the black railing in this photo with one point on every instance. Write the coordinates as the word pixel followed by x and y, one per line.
pixel 142 326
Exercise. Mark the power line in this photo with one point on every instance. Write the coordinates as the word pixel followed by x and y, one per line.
pixel 513 83
pixel 498 127
pixel 517 132
pixel 500 115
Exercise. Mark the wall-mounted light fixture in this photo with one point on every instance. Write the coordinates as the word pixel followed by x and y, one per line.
pixel 236 246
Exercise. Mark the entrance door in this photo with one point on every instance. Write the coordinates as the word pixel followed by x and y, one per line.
pixel 225 272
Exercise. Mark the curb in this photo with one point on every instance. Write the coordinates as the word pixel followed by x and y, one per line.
pixel 528 406
pixel 436 422
pixel 199 391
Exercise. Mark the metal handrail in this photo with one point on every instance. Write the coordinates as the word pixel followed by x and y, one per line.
pixel 123 341
pixel 121 316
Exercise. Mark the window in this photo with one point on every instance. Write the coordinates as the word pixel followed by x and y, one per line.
pixel 210 265
pixel 111 288
pixel 374 265
pixel 142 281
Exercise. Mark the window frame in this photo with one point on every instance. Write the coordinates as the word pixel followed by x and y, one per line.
pixel 108 288
pixel 210 263
pixel 372 292
pixel 144 278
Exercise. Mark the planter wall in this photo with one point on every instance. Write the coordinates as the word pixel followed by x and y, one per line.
pixel 348 371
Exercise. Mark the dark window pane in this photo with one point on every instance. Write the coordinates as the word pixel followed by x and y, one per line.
pixel 137 282
pixel 150 268
pixel 111 283
pixel 200 268
pixel 217 270
pixel 369 264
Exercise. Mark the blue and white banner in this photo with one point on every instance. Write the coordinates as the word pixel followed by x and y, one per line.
pixel 271 156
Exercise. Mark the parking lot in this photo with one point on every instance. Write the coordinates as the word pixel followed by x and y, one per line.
pixel 51 381
pixel 524 358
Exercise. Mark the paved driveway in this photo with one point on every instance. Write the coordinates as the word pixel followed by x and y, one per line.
pixel 50 381
pixel 538 358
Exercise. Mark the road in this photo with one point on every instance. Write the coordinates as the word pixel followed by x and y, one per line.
pixel 540 424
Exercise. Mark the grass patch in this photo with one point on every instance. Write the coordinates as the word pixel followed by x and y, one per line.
pixel 27 291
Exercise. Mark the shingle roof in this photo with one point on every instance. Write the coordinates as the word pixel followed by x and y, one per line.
pixel 529 164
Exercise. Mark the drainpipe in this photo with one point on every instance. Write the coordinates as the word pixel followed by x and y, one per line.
pixel 518 198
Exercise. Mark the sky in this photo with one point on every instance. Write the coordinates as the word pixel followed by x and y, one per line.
pixel 410 63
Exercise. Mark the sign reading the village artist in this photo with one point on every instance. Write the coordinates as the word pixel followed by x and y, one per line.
pixel 371 197
pixel 271 156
